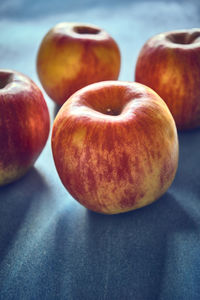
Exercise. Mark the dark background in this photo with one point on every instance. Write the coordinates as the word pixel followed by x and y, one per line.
pixel 53 248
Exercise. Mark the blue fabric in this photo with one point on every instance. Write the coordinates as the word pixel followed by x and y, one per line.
pixel 53 248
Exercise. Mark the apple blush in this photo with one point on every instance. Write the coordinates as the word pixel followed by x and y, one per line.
pixel 73 55
pixel 24 124
pixel 169 63
pixel 115 146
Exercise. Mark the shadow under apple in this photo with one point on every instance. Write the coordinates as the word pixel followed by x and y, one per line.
pixel 187 180
pixel 15 201
pixel 56 110
pixel 107 256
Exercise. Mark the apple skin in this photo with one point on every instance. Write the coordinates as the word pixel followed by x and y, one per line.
pixel 73 55
pixel 169 63
pixel 115 146
pixel 24 124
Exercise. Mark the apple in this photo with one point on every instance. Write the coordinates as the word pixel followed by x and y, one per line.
pixel 115 146
pixel 73 55
pixel 24 124
pixel 169 63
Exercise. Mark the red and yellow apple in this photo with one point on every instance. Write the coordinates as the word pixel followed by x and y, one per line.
pixel 115 146
pixel 24 124
pixel 169 63
pixel 73 55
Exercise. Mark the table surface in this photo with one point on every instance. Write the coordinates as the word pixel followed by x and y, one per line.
pixel 53 248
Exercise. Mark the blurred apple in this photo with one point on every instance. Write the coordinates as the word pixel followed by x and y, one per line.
pixel 24 124
pixel 73 55
pixel 115 146
pixel 169 63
